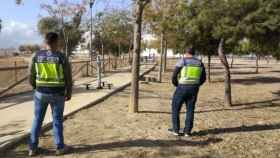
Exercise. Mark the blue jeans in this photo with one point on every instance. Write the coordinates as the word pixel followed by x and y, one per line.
pixel 42 101
pixel 187 95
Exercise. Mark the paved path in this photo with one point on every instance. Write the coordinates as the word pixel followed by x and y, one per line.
pixel 16 113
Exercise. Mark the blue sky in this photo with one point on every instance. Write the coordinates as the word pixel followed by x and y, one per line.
pixel 20 22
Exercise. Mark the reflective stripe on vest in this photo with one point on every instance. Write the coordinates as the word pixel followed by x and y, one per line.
pixel 190 74
pixel 49 75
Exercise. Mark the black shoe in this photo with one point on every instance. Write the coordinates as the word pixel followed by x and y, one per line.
pixel 175 133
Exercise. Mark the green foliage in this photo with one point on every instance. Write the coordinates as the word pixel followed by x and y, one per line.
pixel 203 23
pixel 65 19
pixel 49 24
pixel 30 48
pixel 114 30
pixel 262 27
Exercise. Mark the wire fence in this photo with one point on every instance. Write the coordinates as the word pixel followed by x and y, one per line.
pixel 13 78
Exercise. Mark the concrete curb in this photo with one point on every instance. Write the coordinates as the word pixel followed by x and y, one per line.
pixel 16 141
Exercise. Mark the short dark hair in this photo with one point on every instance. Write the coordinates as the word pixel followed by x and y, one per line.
pixel 190 50
pixel 51 37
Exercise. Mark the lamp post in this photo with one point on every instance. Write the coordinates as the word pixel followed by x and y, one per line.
pixel 98 60
pixel 91 3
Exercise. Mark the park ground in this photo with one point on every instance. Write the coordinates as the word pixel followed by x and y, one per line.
pixel 249 129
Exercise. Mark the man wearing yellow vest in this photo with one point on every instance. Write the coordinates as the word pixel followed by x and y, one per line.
pixel 50 76
pixel 188 76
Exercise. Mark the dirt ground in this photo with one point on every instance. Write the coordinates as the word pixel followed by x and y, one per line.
pixel 249 129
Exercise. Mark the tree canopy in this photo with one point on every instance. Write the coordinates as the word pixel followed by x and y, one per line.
pixel 113 30
pixel 65 19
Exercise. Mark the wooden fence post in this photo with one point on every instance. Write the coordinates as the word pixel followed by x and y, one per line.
pixel 109 63
pixel 87 68
pixel 16 79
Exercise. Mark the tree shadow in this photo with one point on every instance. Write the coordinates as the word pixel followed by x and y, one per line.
pixel 252 67
pixel 143 94
pixel 244 73
pixel 276 93
pixel 255 103
pixel 252 80
pixel 144 143
pixel 10 133
pixel 112 146
pixel 241 67
pixel 16 123
pixel 169 70
pixel 275 71
pixel 254 128
pixel 246 106
pixel 216 73
pixel 23 153
pixel 118 71
pixel 11 101
pixel 257 80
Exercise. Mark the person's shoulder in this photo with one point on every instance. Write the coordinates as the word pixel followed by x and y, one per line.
pixel 180 62
pixel 42 51
pixel 37 53
pixel 62 57
pixel 62 54
pixel 197 59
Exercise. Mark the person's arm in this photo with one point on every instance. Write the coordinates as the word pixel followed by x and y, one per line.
pixel 32 72
pixel 203 75
pixel 176 72
pixel 175 76
pixel 68 79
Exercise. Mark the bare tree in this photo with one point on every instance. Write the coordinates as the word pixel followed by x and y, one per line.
pixel 138 14
pixel 209 67
pixel 165 55
pixel 223 58
pixel 161 56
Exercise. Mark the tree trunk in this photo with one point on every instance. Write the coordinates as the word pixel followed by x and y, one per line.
pixel 134 98
pixel 115 62
pixel 165 56
pixel 109 63
pixel 209 68
pixel 103 58
pixel 129 52
pixel 232 60
pixel 257 63
pixel 161 57
pixel 119 51
pixel 223 58
pixel 267 60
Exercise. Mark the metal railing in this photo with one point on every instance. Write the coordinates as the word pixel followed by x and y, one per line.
pixel 13 79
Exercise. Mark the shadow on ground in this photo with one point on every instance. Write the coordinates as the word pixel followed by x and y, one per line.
pixel 252 80
pixel 254 128
pixel 11 101
pixel 243 67
pixel 143 143
pixel 235 107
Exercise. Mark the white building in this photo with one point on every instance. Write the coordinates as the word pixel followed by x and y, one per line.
pixel 82 47
pixel 147 38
